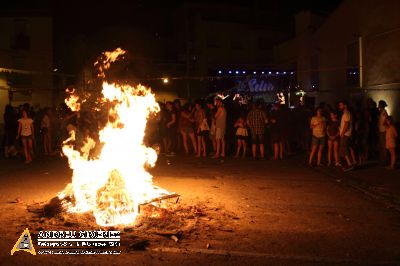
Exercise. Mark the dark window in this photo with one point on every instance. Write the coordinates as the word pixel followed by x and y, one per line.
pixel 352 70
pixel 21 39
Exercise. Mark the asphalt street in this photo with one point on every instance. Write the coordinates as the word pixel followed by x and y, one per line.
pixel 284 213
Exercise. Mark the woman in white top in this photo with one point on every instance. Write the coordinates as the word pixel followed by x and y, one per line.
pixel 26 132
pixel 318 126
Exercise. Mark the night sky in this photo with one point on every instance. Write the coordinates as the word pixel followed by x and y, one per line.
pixel 87 16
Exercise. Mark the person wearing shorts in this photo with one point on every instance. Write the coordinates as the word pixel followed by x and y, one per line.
pixel 333 138
pixel 256 120
pixel 201 129
pixel 318 127
pixel 241 136
pixel 26 132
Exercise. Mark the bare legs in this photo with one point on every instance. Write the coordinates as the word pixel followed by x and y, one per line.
pixel 278 150
pixel 185 145
pixel 333 147
pixel 201 146
pixel 314 149
pixel 254 151
pixel 241 143
pixel 192 139
pixel 47 143
pixel 220 151
pixel 28 148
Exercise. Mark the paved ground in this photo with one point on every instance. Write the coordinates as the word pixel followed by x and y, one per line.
pixel 284 213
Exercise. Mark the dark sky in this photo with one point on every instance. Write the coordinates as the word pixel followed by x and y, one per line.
pixel 82 16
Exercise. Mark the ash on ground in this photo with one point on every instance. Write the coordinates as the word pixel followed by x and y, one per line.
pixel 170 225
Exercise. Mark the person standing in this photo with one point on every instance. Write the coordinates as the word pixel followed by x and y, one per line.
pixel 382 131
pixel 46 129
pixel 256 119
pixel 170 125
pixel 27 134
pixel 276 131
pixel 391 136
pixel 241 135
pixel 186 128
pixel 211 110
pixel 177 141
pixel 220 128
pixel 345 132
pixel 333 138
pixel 201 129
pixel 318 127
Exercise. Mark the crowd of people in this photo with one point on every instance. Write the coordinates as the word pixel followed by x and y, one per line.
pixel 339 136
pixel 342 136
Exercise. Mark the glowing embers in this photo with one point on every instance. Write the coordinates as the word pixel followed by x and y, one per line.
pixel 114 184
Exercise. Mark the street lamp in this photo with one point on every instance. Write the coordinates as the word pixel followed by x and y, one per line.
pixel 165 80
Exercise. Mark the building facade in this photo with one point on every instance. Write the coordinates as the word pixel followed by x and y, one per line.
pixel 352 54
pixel 26 59
pixel 224 37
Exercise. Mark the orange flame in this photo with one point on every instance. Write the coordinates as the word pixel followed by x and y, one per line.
pixel 113 185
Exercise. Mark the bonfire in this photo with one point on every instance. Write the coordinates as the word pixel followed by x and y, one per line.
pixel 114 184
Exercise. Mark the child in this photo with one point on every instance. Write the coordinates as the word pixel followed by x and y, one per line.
pixel 333 138
pixel 391 135
pixel 26 132
pixel 241 135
